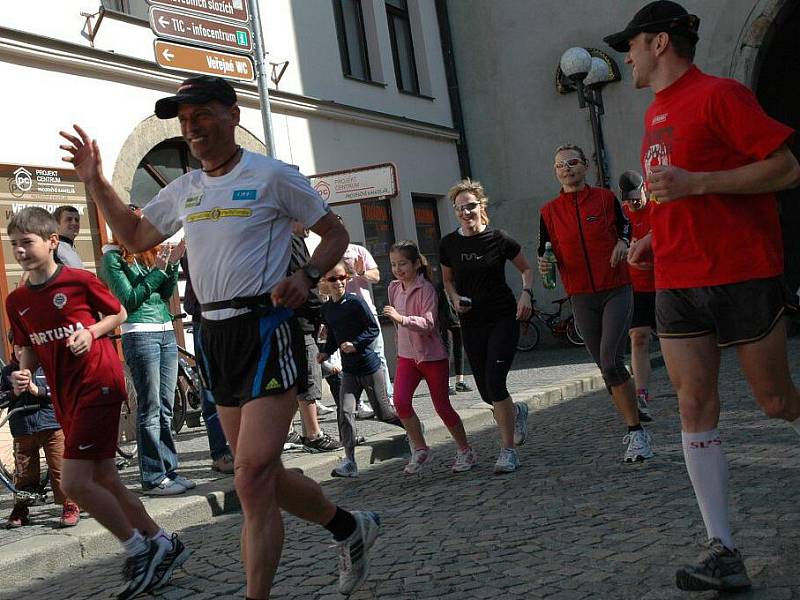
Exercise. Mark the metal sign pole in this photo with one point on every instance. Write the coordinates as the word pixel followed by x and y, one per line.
pixel 261 75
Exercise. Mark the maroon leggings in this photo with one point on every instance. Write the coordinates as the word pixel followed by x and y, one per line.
pixel 436 373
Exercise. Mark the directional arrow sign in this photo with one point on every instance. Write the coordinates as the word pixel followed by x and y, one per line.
pixel 179 57
pixel 234 10
pixel 204 31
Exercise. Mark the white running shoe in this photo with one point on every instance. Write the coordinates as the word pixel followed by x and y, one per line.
pixel 465 460
pixel 507 461
pixel 638 446
pixel 345 468
pixel 322 409
pixel 354 552
pixel 364 411
pixel 181 480
pixel 520 423
pixel 166 487
pixel 419 458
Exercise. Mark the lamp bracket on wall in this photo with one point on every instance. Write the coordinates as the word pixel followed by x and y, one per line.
pixel 565 86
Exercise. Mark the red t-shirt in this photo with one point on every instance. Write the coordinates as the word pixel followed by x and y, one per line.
pixel 643 280
pixel 44 316
pixel 705 123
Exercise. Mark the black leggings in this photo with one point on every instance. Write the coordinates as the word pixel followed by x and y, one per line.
pixel 490 347
pixel 456 347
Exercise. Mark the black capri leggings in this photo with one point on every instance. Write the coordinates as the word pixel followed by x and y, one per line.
pixel 454 347
pixel 490 346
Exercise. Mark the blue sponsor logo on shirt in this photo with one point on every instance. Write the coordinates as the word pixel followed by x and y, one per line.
pixel 244 194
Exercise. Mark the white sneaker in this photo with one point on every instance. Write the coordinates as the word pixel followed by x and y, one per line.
pixel 354 552
pixel 181 480
pixel 465 460
pixel 364 411
pixel 345 468
pixel 638 446
pixel 520 423
pixel 322 409
pixel 167 487
pixel 419 458
pixel 507 461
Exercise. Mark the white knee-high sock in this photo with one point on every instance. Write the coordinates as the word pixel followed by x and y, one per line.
pixel 708 472
pixel 795 425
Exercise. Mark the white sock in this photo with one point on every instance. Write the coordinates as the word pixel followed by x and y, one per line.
pixel 795 425
pixel 708 472
pixel 162 537
pixel 135 545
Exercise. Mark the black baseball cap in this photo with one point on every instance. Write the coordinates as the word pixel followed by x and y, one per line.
pixel 662 15
pixel 196 90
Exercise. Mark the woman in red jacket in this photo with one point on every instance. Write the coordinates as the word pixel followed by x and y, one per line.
pixel 589 235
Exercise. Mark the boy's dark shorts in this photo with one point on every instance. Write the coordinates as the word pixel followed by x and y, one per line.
pixel 738 313
pixel 644 310
pixel 91 431
pixel 248 356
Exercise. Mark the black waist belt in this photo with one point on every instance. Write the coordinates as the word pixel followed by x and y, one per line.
pixel 264 301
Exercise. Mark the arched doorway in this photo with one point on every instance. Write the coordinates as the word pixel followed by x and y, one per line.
pixel 777 83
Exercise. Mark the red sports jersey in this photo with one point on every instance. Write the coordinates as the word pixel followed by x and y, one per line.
pixel 704 123
pixel 643 280
pixel 44 316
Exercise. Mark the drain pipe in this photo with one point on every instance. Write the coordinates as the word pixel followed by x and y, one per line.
pixel 446 39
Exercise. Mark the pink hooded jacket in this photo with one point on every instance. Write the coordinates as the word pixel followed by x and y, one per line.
pixel 418 335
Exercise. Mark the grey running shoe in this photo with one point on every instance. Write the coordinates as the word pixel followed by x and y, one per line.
pixel 322 443
pixel 507 461
pixel 176 555
pixel 293 441
pixel 354 552
pixel 465 460
pixel 451 391
pixel 364 411
pixel 520 423
pixel 638 446
pixel 346 468
pixel 644 410
pixel 181 480
pixel 139 570
pixel 717 568
pixel 322 409
pixel 166 487
pixel 462 386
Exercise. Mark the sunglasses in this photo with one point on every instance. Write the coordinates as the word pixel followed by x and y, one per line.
pixel 335 278
pixel 571 162
pixel 468 207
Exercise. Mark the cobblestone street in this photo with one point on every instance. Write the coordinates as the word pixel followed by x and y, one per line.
pixel 574 522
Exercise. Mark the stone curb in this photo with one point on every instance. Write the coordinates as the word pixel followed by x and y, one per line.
pixel 41 555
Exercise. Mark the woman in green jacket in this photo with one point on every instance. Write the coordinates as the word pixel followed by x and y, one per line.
pixel 144 283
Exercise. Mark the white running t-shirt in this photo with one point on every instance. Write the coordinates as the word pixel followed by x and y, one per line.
pixel 238 227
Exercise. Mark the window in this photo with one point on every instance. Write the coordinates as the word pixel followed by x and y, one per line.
pixel 405 66
pixel 134 8
pixel 164 163
pixel 428 233
pixel 379 237
pixel 352 39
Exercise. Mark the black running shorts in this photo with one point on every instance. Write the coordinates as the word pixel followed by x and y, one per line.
pixel 644 310
pixel 737 313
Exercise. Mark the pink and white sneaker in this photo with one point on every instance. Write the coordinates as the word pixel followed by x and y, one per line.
pixel 419 458
pixel 465 460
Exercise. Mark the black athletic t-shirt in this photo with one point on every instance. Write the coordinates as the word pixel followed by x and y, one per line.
pixel 478 262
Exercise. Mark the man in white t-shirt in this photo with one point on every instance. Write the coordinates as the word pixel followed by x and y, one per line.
pixel 69 226
pixel 237 214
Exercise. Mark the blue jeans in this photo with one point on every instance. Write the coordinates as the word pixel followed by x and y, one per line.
pixel 152 358
pixel 217 443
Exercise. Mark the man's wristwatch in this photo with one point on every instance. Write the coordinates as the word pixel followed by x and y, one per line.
pixel 312 273
pixel 529 291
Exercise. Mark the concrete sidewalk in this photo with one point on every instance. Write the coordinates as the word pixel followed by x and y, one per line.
pixel 542 380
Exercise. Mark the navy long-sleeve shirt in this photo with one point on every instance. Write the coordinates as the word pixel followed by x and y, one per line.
pixel 28 423
pixel 351 320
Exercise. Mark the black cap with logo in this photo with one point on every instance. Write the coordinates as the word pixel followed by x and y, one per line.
pixel 656 17
pixel 196 90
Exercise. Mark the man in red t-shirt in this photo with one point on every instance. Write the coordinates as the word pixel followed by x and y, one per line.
pixel 713 160
pixel 60 316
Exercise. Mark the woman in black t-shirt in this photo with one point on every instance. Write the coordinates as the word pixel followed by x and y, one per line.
pixel 473 268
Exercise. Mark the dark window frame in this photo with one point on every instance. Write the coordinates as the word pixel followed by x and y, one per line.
pixel 344 48
pixel 393 14
pixel 121 8
pixel 428 201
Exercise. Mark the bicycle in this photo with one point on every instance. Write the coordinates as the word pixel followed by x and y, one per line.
pixel 560 327
pixel 39 494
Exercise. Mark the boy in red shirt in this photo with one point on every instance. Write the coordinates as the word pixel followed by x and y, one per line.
pixel 713 160
pixel 57 316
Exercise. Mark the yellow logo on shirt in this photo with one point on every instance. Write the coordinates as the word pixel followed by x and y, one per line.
pixel 216 213
pixel 272 385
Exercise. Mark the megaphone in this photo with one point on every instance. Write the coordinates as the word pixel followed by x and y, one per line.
pixel 631 186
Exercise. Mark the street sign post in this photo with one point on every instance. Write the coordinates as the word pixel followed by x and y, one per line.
pixel 205 61
pixel 233 10
pixel 199 30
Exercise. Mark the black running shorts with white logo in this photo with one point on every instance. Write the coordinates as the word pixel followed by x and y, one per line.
pixel 737 313
pixel 247 356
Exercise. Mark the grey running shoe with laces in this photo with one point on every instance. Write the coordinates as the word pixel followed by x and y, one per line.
pixel 520 423
pixel 354 552
pixel 507 461
pixel 717 568
pixel 139 570
pixel 176 555
pixel 345 468
pixel 638 446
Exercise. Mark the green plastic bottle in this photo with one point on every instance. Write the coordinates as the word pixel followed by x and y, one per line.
pixel 549 279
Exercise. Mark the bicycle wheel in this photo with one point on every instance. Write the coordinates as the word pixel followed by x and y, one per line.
pixel 7 465
pixel 573 335
pixel 126 440
pixel 179 407
pixel 528 336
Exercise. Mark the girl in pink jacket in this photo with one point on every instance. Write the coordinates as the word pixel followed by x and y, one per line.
pixel 421 354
